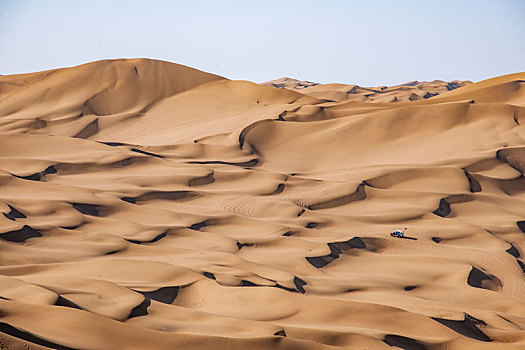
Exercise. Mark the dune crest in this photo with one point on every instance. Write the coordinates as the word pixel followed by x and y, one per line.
pixel 148 205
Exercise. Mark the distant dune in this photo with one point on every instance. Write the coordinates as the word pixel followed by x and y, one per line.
pixel 411 91
pixel 289 83
pixel 149 205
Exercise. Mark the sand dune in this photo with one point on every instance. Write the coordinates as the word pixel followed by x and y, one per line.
pixel 411 91
pixel 289 83
pixel 148 205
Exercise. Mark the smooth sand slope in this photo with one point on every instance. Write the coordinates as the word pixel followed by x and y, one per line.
pixel 148 205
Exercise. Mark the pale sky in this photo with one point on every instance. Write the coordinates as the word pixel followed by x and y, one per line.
pixel 367 42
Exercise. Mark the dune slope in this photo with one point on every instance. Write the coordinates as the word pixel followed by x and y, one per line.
pixel 148 205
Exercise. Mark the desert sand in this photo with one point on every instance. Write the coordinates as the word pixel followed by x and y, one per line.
pixel 149 205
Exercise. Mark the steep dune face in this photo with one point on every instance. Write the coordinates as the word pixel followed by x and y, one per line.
pixel 70 100
pixel 148 205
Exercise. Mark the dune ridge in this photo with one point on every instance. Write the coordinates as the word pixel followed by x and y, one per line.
pixel 149 205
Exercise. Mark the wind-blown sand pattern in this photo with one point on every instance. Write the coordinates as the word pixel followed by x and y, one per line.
pixel 148 205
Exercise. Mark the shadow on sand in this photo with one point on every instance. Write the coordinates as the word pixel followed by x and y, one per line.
pixel 407 237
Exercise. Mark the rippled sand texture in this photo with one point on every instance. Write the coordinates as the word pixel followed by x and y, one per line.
pixel 147 205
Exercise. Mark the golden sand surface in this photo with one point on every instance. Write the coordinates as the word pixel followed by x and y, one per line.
pixel 149 205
